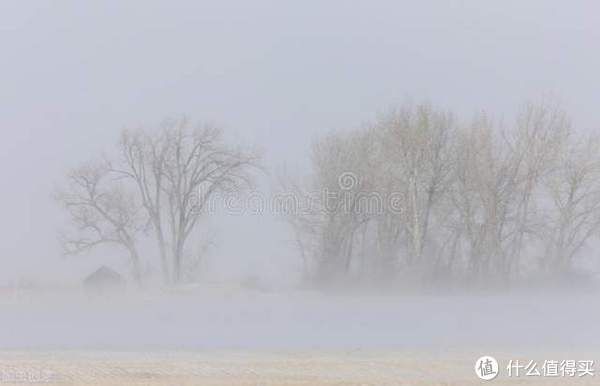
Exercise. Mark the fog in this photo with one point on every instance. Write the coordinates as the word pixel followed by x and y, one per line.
pixel 273 75
pixel 277 78
pixel 218 320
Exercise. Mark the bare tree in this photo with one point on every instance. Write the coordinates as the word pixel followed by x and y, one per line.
pixel 574 189
pixel 474 199
pixel 142 161
pixel 176 172
pixel 497 187
pixel 416 160
pixel 332 207
pixel 541 134
pixel 101 212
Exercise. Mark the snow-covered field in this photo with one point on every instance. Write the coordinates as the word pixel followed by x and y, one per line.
pixel 233 336
pixel 276 368
pixel 245 319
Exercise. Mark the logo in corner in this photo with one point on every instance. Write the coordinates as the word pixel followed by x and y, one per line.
pixel 486 368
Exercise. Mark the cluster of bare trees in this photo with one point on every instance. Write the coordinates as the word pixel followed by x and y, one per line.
pixel 157 186
pixel 435 199
pixel 416 195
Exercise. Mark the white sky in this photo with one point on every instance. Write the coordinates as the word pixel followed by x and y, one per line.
pixel 273 73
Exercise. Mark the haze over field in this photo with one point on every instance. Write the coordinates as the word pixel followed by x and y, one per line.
pixel 274 75
pixel 203 180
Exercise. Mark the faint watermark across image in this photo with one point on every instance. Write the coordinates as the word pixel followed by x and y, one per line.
pixel 345 198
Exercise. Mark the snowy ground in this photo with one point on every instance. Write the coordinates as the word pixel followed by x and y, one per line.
pixel 280 368
pixel 233 336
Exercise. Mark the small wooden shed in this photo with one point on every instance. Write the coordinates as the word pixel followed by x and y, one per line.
pixel 103 281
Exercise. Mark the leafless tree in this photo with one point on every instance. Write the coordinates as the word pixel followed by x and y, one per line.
pixel 541 134
pixel 472 201
pixel 333 206
pixel 176 171
pixel 476 199
pixel 485 182
pixel 343 163
pixel 101 212
pixel 574 190
pixel 416 143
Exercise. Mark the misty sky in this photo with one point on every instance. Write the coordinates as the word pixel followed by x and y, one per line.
pixel 273 73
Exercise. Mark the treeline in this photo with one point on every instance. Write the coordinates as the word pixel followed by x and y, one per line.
pixel 420 197
pixel 417 197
